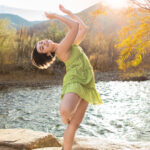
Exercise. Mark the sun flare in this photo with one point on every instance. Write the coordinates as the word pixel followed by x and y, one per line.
pixel 115 3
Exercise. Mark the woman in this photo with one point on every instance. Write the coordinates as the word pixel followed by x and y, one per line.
pixel 78 83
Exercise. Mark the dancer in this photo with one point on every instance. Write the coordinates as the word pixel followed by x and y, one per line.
pixel 78 83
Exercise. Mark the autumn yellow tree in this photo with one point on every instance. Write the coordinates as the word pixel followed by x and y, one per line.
pixel 134 38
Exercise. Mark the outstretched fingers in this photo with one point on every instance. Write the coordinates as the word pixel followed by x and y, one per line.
pixel 61 7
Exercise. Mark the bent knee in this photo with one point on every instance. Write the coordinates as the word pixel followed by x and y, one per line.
pixel 66 111
pixel 69 104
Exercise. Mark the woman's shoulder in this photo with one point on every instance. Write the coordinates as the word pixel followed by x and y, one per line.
pixel 74 50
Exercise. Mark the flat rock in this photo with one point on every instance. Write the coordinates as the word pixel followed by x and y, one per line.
pixel 25 139
pixel 94 143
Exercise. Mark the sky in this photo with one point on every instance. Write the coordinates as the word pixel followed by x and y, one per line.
pixel 52 5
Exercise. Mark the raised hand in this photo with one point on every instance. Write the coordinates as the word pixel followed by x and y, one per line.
pixel 61 7
pixel 50 15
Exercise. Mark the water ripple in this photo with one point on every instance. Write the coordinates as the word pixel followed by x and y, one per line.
pixel 124 114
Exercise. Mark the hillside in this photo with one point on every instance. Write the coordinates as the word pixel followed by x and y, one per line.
pixel 17 21
pixel 105 24
pixel 30 15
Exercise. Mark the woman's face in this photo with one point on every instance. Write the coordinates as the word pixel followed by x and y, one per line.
pixel 44 46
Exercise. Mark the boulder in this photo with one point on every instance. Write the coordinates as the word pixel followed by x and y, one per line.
pixel 25 139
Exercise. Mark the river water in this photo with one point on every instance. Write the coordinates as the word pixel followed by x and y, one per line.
pixel 124 114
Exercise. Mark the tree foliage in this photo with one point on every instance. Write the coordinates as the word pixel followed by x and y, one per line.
pixel 53 33
pixel 133 42
pixel 6 42
pixel 99 11
pixel 101 51
pixel 134 39
pixel 24 44
pixel 16 45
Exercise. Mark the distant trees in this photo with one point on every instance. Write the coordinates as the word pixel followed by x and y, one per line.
pixel 53 33
pixel 99 45
pixel 133 41
pixel 24 45
pixel 6 43
pixel 104 58
pixel 101 51
pixel 16 45
pixel 26 42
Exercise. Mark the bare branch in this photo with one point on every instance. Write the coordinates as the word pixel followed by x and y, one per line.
pixel 145 4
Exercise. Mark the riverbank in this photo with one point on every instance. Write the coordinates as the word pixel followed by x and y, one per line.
pixel 36 79
pixel 26 139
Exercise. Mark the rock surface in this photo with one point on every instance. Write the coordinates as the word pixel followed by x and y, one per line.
pixel 25 139
pixel 93 143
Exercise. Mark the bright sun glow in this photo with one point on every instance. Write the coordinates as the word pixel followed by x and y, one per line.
pixel 116 3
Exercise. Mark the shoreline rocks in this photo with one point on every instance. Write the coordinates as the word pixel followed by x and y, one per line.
pixel 26 139
pixel 120 76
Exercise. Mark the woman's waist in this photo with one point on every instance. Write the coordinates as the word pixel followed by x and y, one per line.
pixel 79 69
pixel 75 74
pixel 84 77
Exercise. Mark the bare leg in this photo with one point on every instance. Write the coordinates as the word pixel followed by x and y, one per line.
pixel 68 106
pixel 74 124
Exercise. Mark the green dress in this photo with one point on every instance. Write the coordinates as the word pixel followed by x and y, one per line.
pixel 79 77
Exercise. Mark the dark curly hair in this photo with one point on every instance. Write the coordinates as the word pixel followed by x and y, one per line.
pixel 41 60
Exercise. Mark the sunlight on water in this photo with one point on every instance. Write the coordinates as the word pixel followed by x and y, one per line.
pixel 124 113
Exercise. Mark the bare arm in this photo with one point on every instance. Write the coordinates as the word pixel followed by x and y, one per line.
pixel 63 50
pixel 82 26
pixel 82 30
